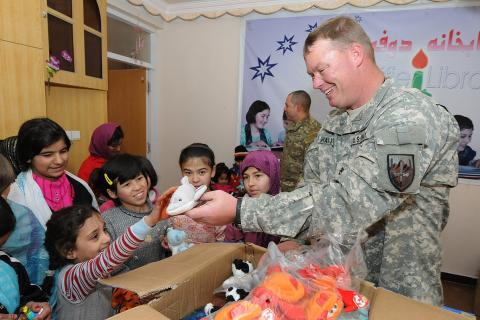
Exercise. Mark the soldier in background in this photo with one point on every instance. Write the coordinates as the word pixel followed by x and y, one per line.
pixel 300 134
pixel 385 157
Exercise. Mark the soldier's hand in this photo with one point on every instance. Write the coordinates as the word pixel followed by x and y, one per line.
pixel 219 209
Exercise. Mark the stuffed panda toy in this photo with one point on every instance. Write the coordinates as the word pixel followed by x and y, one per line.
pixel 234 294
pixel 242 276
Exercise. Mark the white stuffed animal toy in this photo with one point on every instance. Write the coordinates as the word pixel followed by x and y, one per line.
pixel 185 197
pixel 176 240
pixel 242 278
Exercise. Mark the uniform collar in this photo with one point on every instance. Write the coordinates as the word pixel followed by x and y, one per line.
pixel 337 121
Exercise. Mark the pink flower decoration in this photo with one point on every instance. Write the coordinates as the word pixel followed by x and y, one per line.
pixel 54 63
pixel 66 56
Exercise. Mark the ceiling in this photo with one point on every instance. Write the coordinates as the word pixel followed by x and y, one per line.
pixel 192 9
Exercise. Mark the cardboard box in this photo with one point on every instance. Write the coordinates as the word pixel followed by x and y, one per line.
pixel 182 283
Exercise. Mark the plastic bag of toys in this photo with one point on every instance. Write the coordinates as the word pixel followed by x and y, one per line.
pixel 316 282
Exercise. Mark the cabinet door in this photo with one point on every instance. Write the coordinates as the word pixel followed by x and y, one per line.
pixel 22 94
pixel 21 22
pixel 77 28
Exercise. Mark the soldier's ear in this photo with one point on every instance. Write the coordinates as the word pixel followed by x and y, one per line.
pixel 357 53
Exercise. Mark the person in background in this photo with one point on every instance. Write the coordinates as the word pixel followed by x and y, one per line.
pixel 223 178
pixel 124 180
pixel 466 155
pixel 384 161
pixel 254 135
pixel 7 149
pixel 197 162
pixel 237 183
pixel 281 136
pixel 261 175
pixel 44 186
pixel 22 243
pixel 300 134
pixel 106 141
pixel 16 290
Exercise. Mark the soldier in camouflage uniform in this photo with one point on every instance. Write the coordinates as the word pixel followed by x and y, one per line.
pixel 384 160
pixel 300 134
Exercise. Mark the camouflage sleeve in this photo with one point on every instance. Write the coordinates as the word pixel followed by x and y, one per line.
pixel 361 191
pixel 286 214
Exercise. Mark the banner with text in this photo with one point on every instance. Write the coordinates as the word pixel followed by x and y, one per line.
pixel 435 50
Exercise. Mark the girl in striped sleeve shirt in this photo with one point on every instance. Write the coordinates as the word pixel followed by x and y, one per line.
pixel 80 250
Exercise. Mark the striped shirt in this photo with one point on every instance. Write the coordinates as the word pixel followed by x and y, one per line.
pixel 80 279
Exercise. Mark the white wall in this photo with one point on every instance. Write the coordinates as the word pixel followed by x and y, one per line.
pixel 461 237
pixel 196 79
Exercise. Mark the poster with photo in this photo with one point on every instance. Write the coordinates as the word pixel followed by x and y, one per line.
pixel 435 50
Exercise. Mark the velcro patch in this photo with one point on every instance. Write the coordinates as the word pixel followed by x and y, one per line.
pixel 401 170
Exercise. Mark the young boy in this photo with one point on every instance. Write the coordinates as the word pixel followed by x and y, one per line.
pixel 466 155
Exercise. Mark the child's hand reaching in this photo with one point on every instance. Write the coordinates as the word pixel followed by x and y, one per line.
pixel 159 211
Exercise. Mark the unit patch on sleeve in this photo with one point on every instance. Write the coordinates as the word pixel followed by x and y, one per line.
pixel 401 170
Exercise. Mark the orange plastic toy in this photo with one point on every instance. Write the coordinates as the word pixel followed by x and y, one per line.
pixel 284 286
pixel 240 310
pixel 324 305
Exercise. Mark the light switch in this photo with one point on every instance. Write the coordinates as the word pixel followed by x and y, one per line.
pixel 75 135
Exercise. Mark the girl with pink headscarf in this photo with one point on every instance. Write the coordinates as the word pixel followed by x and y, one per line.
pixel 260 171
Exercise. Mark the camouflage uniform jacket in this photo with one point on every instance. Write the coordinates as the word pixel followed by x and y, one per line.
pixel 395 162
pixel 299 136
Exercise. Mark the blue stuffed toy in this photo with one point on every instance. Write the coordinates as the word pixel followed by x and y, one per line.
pixel 176 240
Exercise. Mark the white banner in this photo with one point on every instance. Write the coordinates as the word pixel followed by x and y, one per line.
pixel 436 50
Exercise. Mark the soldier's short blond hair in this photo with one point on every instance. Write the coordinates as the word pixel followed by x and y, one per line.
pixel 301 98
pixel 344 31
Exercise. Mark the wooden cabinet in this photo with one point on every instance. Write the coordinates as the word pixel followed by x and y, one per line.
pixel 77 109
pixel 21 22
pixel 22 90
pixel 22 93
pixel 75 97
pixel 78 29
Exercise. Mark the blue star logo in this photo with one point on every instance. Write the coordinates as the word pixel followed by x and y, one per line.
pixel 286 44
pixel 263 69
pixel 358 19
pixel 311 27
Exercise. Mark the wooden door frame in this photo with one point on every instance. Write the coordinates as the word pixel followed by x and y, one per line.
pixel 152 97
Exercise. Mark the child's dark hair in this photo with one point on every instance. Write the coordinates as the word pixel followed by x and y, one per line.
pixel 36 134
pixel 7 175
pixel 62 232
pixel 240 152
pixel 220 169
pixel 148 170
pixel 8 148
pixel 464 122
pixel 119 169
pixel 197 150
pixel 256 107
pixel 7 218
pixel 116 137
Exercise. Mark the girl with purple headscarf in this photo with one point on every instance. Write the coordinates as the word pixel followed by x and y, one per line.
pixel 106 142
pixel 261 174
